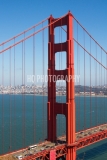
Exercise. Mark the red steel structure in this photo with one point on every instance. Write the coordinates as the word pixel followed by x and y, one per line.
pixel 88 60
pixel 68 109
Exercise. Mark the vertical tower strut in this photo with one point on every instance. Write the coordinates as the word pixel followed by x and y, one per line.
pixel 68 108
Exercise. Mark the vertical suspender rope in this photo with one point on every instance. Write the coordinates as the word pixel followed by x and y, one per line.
pixel 78 98
pixel 61 82
pixel 90 89
pixel 43 76
pixel 101 106
pixel 24 91
pixel 10 104
pixel 96 91
pixel 34 105
pixel 106 86
pixel 2 102
pixel 99 122
pixel 84 86
pixel 22 101
pixel 14 100
pixel 104 99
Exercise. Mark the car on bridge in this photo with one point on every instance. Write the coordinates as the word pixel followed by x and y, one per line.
pixel 19 157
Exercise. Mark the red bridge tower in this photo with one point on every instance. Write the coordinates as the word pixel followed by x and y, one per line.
pixel 68 108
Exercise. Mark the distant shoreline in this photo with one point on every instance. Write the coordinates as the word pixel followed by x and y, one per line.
pixel 56 95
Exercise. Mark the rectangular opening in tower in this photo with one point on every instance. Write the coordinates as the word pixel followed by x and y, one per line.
pixel 61 91
pixel 60 60
pixel 60 34
pixel 61 126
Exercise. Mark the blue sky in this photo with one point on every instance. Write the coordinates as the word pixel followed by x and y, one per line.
pixel 18 15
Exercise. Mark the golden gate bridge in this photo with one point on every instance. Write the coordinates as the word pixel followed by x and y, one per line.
pixel 56 47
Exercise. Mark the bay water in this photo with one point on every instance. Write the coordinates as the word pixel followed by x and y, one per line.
pixel 23 122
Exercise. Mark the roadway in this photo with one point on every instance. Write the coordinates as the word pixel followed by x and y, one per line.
pixel 83 138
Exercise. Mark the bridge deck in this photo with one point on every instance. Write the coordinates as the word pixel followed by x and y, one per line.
pixel 83 138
